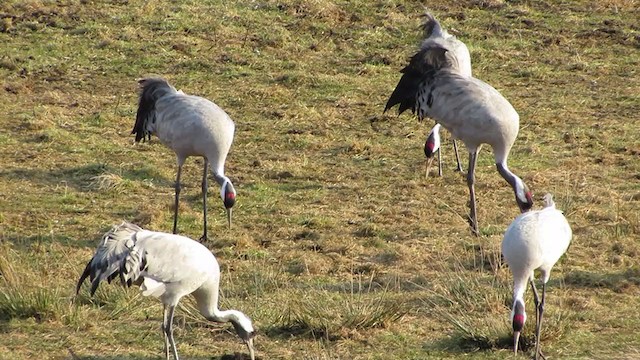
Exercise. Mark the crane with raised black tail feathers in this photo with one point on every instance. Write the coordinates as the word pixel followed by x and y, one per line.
pixel 435 35
pixel 473 111
pixel 168 267
pixel 190 126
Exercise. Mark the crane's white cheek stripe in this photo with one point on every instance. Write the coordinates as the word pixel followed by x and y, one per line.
pixel 222 189
pixel 245 322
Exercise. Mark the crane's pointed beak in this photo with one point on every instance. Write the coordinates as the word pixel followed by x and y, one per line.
pixel 516 339
pixel 252 352
pixel 229 217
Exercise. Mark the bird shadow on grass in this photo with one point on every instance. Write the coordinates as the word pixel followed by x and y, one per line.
pixel 83 178
pixel 463 343
pixel 235 356
pixel 618 282
pixel 21 242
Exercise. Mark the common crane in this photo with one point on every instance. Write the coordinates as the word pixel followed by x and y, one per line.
pixel 534 240
pixel 472 110
pixel 436 36
pixel 168 267
pixel 432 146
pixel 190 126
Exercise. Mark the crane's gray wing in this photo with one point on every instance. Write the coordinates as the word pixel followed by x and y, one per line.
pixel 173 258
pixel 168 262
pixel 116 255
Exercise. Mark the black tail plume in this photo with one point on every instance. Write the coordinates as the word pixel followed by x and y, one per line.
pixel 151 89
pixel 420 72
pixel 405 92
pixel 85 274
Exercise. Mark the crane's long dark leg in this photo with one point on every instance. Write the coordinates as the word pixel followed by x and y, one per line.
pixel 204 198
pixel 170 332
pixel 471 178
pixel 164 332
pixel 536 300
pixel 540 311
pixel 175 213
pixel 455 149
pixel 439 162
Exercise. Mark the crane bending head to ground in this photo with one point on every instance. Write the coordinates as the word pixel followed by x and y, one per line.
pixel 168 267
pixel 534 241
pixel 190 126
pixel 472 110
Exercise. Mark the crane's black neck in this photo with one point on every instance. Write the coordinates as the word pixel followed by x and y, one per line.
pixel 507 175
pixel 523 195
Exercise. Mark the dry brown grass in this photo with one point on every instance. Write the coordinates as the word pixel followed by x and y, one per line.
pixel 330 191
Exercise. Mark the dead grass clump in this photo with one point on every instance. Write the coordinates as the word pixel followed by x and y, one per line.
pixel 317 9
pixel 617 5
pixel 489 4
pixel 370 230
pixel 334 316
pixel 108 181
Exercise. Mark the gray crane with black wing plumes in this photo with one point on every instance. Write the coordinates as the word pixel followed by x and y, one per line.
pixel 471 110
pixel 168 267
pixel 190 126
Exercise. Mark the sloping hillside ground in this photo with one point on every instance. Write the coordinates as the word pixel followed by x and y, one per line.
pixel 341 249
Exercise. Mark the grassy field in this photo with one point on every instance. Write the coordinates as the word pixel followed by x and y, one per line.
pixel 341 249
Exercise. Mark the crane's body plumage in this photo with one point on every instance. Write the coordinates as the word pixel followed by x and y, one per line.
pixel 167 267
pixel 472 110
pixel 437 83
pixel 534 241
pixel 190 126
pixel 179 117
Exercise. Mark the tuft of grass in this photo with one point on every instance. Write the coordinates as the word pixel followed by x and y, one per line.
pixel 22 302
pixel 459 300
pixel 19 297
pixel 109 181
pixel 115 300
pixel 478 305
pixel 330 316
pixel 8 273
